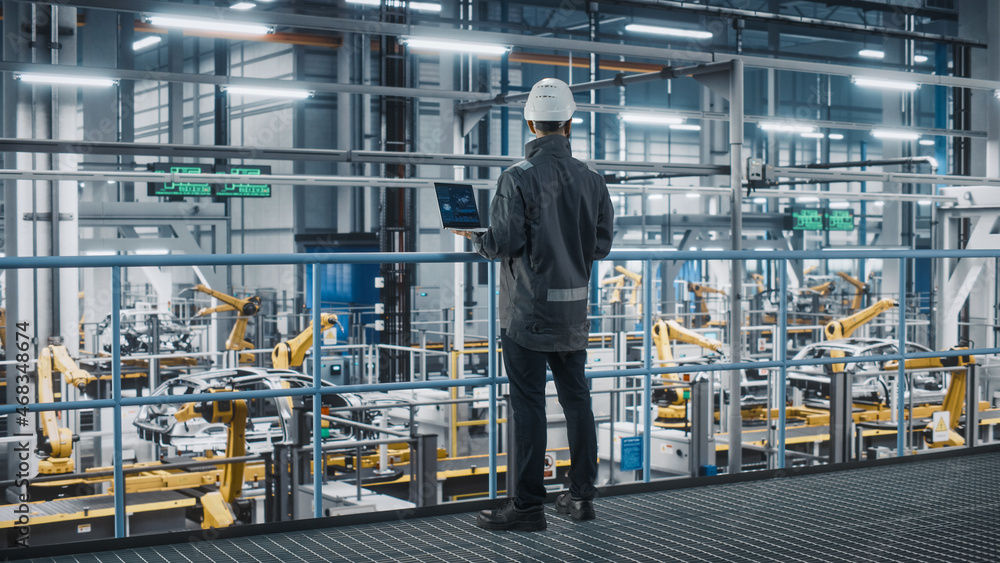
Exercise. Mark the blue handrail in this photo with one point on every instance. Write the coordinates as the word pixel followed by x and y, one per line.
pixel 39 262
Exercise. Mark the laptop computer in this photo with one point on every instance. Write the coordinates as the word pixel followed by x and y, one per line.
pixel 457 204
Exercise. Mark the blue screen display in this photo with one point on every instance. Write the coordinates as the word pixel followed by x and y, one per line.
pixel 458 206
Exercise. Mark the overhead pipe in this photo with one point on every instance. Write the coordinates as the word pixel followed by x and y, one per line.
pixel 879 162
pixel 620 80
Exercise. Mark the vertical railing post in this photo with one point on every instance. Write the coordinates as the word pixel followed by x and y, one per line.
pixel 780 341
pixel 491 315
pixel 317 398
pixel 901 373
pixel 116 392
pixel 647 377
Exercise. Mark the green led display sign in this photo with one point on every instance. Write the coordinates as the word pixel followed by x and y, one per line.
pixel 819 219
pixel 840 220
pixel 243 189
pixel 209 189
pixel 806 219
pixel 180 189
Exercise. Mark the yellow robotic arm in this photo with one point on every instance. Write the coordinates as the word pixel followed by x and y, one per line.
pixel 860 289
pixel 245 308
pixel 846 326
pixel 290 353
pixel 759 280
pixel 954 399
pixel 636 278
pixel 822 289
pixel 217 505
pixel 699 297
pixel 619 281
pixel 666 331
pixel 58 443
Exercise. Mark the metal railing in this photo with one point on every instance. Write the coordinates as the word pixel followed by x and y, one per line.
pixel 647 371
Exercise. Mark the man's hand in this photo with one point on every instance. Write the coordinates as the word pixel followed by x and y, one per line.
pixel 466 234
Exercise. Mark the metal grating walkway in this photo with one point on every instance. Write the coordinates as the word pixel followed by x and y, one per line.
pixel 935 510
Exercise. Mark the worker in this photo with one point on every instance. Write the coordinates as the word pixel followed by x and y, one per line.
pixel 550 219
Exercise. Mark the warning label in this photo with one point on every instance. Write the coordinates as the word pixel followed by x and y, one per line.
pixel 940 422
pixel 550 465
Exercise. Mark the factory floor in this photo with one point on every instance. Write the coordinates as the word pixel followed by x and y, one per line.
pixel 932 509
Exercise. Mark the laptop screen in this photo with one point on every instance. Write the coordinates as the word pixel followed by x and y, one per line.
pixel 457 203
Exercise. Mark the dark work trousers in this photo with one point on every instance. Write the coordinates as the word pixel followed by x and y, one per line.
pixel 526 370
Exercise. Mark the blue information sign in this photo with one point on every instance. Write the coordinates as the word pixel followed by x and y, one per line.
pixel 631 453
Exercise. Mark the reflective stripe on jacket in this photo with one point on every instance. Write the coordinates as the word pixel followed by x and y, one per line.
pixel 550 219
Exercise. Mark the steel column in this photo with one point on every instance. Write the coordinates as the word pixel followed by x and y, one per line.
pixel 491 307
pixel 840 417
pixel 116 392
pixel 735 426
pixel 901 372
pixel 780 342
pixel 647 377
pixel 317 386
pixel 971 407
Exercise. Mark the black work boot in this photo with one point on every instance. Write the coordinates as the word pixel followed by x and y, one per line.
pixel 577 509
pixel 509 517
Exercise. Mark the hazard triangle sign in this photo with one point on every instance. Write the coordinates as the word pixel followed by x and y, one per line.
pixel 940 422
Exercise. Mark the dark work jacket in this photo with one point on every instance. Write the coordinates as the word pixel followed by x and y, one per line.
pixel 550 219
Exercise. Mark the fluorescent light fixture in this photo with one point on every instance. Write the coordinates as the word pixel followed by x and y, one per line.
pixel 871 54
pixel 651 119
pixel 63 79
pixel 712 248
pixel 655 196
pixel 456 46
pixel 243 6
pixel 924 202
pixel 887 84
pixel 209 25
pixel 894 134
pixel 686 127
pixel 577 120
pixel 424 6
pixel 785 127
pixel 111 181
pixel 268 92
pixel 920 58
pixel 927 142
pixel 692 195
pixel 100 253
pixel 760 200
pixel 668 31
pixel 146 42
pixel 366 2
pixel 808 199
pixel 812 135
pixel 835 136
pixel 879 203
pixel 839 204
pixel 152 252
pixel 764 249
pixel 996 93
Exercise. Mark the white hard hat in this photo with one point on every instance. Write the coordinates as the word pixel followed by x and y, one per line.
pixel 549 100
